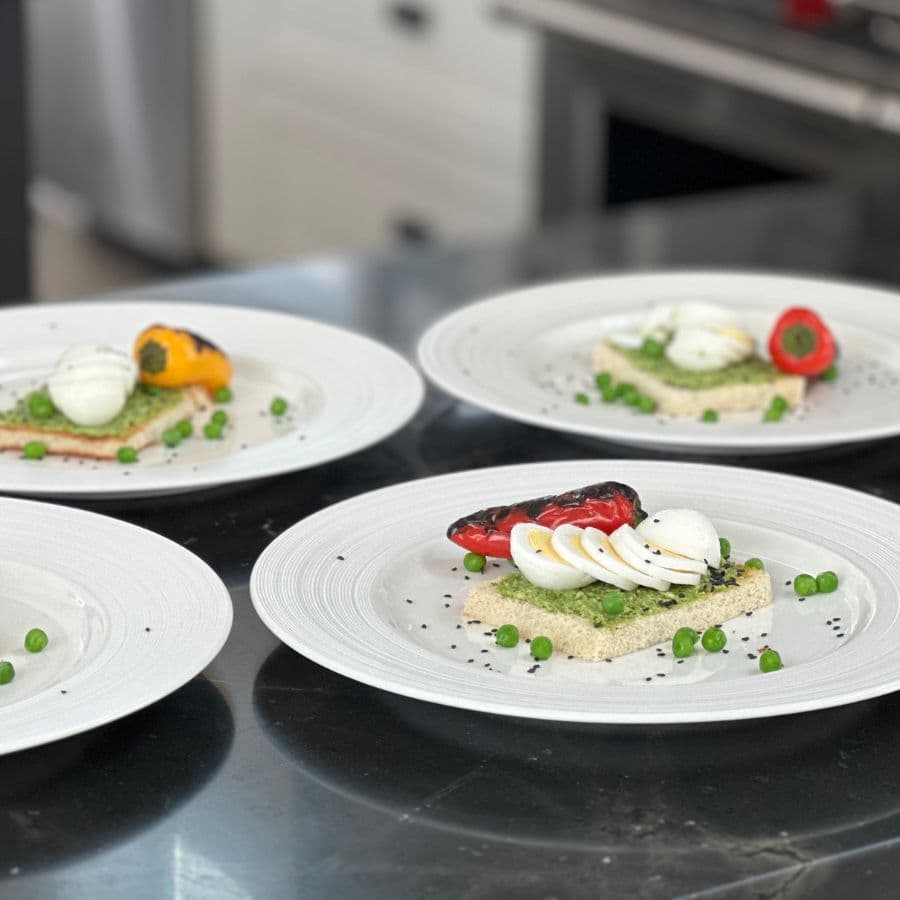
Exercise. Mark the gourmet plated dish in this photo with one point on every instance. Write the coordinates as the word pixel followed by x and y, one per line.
pixel 699 359
pixel 597 578
pixel 104 403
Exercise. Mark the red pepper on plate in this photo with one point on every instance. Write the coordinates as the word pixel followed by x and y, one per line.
pixel 801 343
pixel 605 506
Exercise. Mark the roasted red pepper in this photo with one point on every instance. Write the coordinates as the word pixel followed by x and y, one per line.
pixel 605 506
pixel 801 343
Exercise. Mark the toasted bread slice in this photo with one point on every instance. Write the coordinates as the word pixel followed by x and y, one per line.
pixel 15 437
pixel 679 401
pixel 577 636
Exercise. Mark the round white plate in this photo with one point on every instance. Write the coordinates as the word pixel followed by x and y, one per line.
pixel 345 392
pixel 526 354
pixel 131 617
pixel 372 589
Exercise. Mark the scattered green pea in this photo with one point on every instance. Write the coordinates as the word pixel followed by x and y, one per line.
pixel 212 431
pixel 683 643
pixel 754 563
pixel 831 373
pixel 826 582
pixel 172 436
pixel 772 415
pixel 278 406
pixel 40 406
pixel 219 417
pixel 474 562
pixel 779 403
pixel 725 547
pixel 713 639
pixel 582 398
pixel 7 672
pixel 805 585
pixel 709 415
pixel 770 661
pixel 613 604
pixel 36 640
pixel 603 380
pixel 223 395
pixel 652 348
pixel 126 455
pixel 541 647
pixel 647 405
pixel 34 450
pixel 507 636
pixel 185 428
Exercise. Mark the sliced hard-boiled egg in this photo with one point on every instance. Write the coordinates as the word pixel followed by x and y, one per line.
pixel 631 548
pixel 601 550
pixel 706 315
pixel 673 560
pixel 684 532
pixel 532 551
pixel 701 349
pixel 567 542
pixel 99 357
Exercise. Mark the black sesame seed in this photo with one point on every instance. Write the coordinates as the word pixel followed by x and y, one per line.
pixel 424 625
pixel 453 646
pixel 835 627
pixel 751 656
pixel 840 634
pixel 446 606
pixel 470 660
pixel 745 638
pixel 649 678
pixel 341 558
pixel 447 596
pixel 147 628
pixel 408 600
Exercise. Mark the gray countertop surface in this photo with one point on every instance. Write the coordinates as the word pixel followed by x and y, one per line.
pixel 270 777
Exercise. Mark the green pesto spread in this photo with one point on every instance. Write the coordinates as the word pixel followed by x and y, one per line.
pixel 587 601
pixel 750 371
pixel 143 405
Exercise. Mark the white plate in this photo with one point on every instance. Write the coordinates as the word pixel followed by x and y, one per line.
pixel 345 392
pixel 372 589
pixel 525 354
pixel 131 617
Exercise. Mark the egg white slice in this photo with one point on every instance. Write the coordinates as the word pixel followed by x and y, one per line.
pixel 88 402
pixel 630 547
pixel 672 560
pixel 567 542
pixel 533 553
pixel 597 545
pixel 684 532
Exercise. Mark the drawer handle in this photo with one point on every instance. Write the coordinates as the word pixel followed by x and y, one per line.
pixel 412 17
pixel 413 231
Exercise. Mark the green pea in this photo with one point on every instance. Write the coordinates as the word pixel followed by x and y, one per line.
pixel 725 547
pixel 613 604
pixel 507 636
pixel 826 582
pixel 683 643
pixel 805 585
pixel 754 563
pixel 632 397
pixel 713 639
pixel 278 406
pixel 769 661
pixel 34 450
pixel 623 388
pixel 690 633
pixel 779 403
pixel 608 394
pixel 647 405
pixel 709 415
pixel 151 389
pixel 223 395
pixel 541 647
pixel 40 406
pixel 772 415
pixel 126 455
pixel 474 562
pixel 652 348
pixel 582 398
pixel 36 640
pixel 603 380
pixel 172 436
pixel 830 374
pixel 185 428
pixel 212 431
pixel 219 417
pixel 7 672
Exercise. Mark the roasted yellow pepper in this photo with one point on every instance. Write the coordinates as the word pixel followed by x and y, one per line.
pixel 173 357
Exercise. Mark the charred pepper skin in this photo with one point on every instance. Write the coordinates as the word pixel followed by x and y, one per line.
pixel 605 506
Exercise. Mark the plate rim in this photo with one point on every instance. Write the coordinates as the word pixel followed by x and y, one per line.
pixel 548 713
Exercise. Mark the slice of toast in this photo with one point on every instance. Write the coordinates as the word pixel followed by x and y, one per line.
pixel 15 436
pixel 577 636
pixel 680 401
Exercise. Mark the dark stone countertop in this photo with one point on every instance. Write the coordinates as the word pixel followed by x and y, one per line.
pixel 270 777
